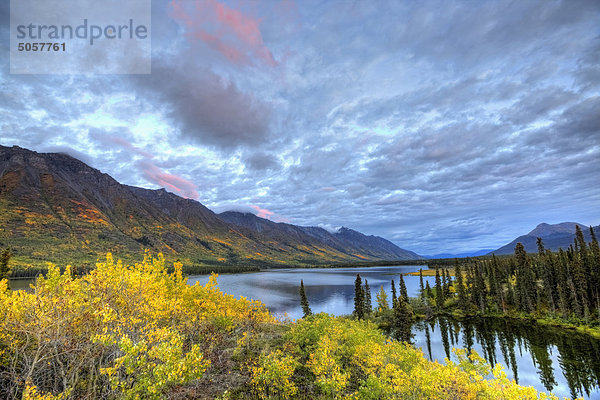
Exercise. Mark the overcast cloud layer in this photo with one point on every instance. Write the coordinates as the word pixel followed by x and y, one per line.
pixel 443 126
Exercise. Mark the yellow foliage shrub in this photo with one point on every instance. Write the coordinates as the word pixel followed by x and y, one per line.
pixel 120 331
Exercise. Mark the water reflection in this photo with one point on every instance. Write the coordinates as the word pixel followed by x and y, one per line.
pixel 566 363
pixel 328 290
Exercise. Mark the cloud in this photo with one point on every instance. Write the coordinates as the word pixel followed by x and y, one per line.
pixel 262 212
pixel 172 183
pixel 112 139
pixel 230 32
pixel 70 152
pixel 250 209
pixel 330 228
pixel 261 160
pixel 267 214
pixel 207 108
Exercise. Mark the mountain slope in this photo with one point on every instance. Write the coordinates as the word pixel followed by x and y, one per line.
pixel 55 208
pixel 554 236
pixel 345 241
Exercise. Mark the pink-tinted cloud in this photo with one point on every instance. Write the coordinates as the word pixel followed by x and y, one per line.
pixel 264 213
pixel 172 183
pixel 235 35
pixel 328 189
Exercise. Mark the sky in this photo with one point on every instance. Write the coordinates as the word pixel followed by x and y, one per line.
pixel 443 126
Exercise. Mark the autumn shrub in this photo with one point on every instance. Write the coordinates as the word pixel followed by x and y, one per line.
pixel 118 332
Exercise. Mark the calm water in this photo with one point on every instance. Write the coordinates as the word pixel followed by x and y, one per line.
pixel 549 359
pixel 566 363
pixel 327 289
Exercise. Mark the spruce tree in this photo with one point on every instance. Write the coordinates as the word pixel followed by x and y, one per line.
pixel 446 283
pixel 403 319
pixel 359 298
pixel 439 292
pixel 428 291
pixel 586 264
pixel 4 268
pixel 367 293
pixel 525 282
pixel 481 298
pixel 580 285
pixel 546 267
pixel 394 295
pixel 460 287
pixel 563 286
pixel 304 301
pixel 595 269
pixel 403 291
pixel 421 287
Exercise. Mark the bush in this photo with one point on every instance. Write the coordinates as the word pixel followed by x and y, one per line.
pixel 119 331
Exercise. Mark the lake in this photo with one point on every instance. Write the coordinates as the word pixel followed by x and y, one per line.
pixel 549 359
pixel 329 290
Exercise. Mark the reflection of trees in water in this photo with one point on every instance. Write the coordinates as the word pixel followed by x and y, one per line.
pixel 428 337
pixel 578 355
pixel 444 333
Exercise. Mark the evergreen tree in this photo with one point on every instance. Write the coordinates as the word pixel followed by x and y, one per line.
pixel 546 268
pixel 580 285
pixel 439 292
pixel 359 298
pixel 421 287
pixel 460 287
pixel 562 285
pixel 446 283
pixel 304 301
pixel 4 268
pixel 594 247
pixel 525 282
pixel 382 300
pixel 403 319
pixel 367 293
pixel 480 289
pixel 428 291
pixel 403 291
pixel 394 295
pixel 495 285
pixel 595 269
pixel 586 265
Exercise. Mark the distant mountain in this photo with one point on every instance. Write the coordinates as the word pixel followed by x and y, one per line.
pixel 55 208
pixel 345 240
pixel 554 236
pixel 460 255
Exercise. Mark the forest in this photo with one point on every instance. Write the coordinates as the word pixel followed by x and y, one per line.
pixel 556 288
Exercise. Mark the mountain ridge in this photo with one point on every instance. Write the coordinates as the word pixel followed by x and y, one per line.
pixel 345 239
pixel 54 206
pixel 554 236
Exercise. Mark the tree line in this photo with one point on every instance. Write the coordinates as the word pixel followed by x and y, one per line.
pixel 560 285
pixel 563 284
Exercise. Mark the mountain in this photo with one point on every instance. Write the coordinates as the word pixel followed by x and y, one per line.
pixel 345 240
pixel 554 236
pixel 460 255
pixel 56 208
